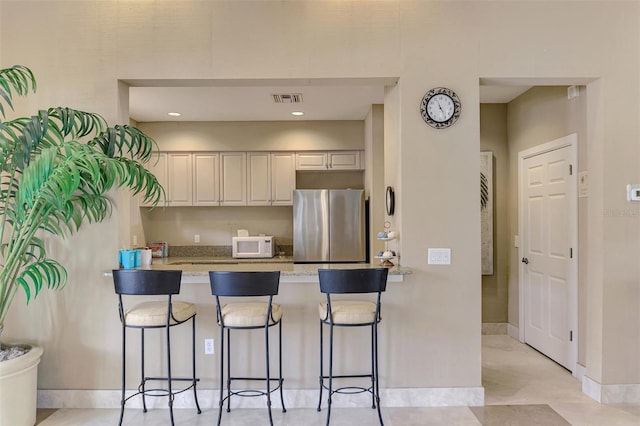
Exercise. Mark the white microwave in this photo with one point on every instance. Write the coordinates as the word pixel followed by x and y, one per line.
pixel 253 247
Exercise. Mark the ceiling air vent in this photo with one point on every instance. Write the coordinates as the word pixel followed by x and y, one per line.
pixel 287 98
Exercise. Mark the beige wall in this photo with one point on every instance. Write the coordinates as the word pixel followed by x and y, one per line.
pixel 257 135
pixel 493 137
pixel 433 318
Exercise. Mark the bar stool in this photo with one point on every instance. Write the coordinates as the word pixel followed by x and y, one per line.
pixel 154 314
pixel 247 316
pixel 351 313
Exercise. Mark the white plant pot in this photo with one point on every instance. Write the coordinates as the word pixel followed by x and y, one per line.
pixel 19 389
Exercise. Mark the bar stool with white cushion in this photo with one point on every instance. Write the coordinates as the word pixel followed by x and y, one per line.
pixel 259 312
pixel 155 314
pixel 351 313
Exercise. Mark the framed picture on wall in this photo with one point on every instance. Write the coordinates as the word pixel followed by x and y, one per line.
pixel 486 210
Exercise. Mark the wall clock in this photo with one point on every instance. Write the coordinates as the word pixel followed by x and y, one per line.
pixel 440 107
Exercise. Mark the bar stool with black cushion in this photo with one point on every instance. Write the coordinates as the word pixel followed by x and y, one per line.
pixel 151 314
pixel 339 312
pixel 252 314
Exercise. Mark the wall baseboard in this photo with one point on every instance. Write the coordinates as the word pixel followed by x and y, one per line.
pixel 294 398
pixel 494 328
pixel 580 372
pixel 611 394
pixel 513 332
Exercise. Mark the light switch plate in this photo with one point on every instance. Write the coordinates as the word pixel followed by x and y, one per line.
pixel 633 192
pixel 439 256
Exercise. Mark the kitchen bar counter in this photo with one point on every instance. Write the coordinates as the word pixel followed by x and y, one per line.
pixel 195 269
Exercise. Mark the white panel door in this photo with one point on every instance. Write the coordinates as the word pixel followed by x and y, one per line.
pixel 548 206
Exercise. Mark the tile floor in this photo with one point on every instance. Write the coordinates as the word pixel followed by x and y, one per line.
pixel 522 387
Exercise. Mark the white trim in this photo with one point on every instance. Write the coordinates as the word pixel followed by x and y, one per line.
pixel 611 394
pixel 294 398
pixel 580 372
pixel 570 141
pixel 514 332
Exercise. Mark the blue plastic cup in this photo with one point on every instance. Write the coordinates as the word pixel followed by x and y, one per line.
pixel 128 259
pixel 138 258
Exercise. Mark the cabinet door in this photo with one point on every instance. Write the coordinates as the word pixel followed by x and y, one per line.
pixel 283 178
pixel 180 179
pixel 158 166
pixel 258 179
pixel 311 161
pixel 206 183
pixel 344 160
pixel 233 178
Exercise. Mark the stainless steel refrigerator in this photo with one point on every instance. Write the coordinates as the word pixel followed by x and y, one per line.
pixel 329 225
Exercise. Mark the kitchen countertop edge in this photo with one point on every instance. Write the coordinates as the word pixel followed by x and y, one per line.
pixel 194 270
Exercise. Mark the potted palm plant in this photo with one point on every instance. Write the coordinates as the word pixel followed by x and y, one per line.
pixel 56 171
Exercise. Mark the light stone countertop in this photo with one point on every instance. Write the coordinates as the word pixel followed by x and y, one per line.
pixel 196 269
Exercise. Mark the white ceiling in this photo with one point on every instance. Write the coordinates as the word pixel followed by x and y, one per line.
pixel 253 100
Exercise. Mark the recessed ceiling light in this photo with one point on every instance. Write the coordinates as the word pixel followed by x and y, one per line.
pixel 174 114
pixel 297 113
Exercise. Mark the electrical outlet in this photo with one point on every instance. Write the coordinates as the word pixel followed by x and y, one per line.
pixel 209 348
pixel 135 240
pixel 196 238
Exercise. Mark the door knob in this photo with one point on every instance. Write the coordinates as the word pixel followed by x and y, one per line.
pixel 525 260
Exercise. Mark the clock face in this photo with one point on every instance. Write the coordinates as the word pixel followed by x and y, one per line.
pixel 440 107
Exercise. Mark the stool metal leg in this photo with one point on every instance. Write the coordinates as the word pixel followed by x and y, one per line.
pixel 268 381
pixel 281 381
pixel 377 387
pixel 193 357
pixel 377 390
pixel 169 374
pixel 221 387
pixel 330 371
pixel 124 361
pixel 143 379
pixel 373 370
pixel 321 365
pixel 228 370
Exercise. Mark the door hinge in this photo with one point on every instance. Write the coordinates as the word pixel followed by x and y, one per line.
pixel 571 253
pixel 570 169
pixel 571 335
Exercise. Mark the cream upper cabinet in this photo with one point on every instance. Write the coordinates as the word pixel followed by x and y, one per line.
pixel 283 178
pixel 233 178
pixel 271 178
pixel 179 179
pixel 344 160
pixel 206 179
pixel 311 161
pixel 158 166
pixel 258 179
pixel 329 160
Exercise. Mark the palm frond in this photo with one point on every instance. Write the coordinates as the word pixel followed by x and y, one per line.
pixel 56 169
pixel 17 79
pixel 45 272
